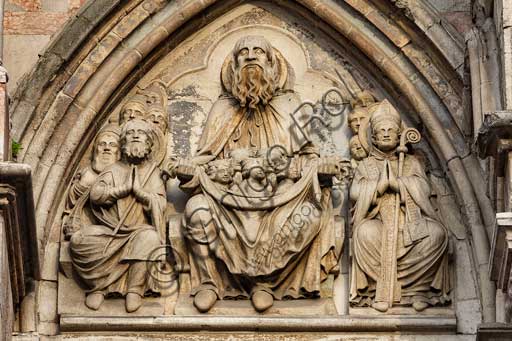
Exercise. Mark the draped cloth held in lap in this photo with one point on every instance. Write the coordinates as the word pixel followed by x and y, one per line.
pixel 293 251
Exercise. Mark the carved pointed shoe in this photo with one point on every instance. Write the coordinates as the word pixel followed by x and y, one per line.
pixel 94 300
pixel 381 306
pixel 419 305
pixel 133 302
pixel 262 300
pixel 204 300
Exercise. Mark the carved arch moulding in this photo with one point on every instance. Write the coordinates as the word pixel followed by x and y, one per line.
pixel 167 178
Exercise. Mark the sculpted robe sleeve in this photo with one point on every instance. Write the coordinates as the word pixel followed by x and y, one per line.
pixel 157 202
pixel 221 123
pixel 363 192
pixel 415 182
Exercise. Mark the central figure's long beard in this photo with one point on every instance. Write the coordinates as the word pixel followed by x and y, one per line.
pixel 253 85
pixel 136 152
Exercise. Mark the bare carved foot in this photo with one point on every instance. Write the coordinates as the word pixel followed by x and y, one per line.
pixel 381 306
pixel 419 305
pixel 204 300
pixel 94 300
pixel 133 302
pixel 262 300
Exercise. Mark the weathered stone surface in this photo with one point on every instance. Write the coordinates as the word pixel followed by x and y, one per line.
pixel 404 242
pixel 55 5
pixel 468 316
pixel 48 307
pixel 192 80
pixel 464 274
pixel 94 11
pixel 50 267
pixel 460 20
pixel 19 59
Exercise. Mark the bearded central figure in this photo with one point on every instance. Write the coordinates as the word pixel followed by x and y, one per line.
pixel 273 245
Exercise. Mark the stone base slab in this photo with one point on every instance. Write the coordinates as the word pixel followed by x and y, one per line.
pixel 494 332
pixel 404 311
pixel 367 324
pixel 304 307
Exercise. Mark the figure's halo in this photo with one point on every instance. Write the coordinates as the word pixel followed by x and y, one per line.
pixel 282 67
pixel 159 149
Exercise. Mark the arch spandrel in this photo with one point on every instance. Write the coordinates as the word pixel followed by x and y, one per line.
pixel 417 92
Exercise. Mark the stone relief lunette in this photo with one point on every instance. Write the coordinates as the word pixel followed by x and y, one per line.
pixel 259 223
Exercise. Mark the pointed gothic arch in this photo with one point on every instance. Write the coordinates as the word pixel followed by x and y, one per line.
pixel 61 104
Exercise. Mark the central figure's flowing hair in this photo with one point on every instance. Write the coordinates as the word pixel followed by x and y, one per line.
pixel 254 84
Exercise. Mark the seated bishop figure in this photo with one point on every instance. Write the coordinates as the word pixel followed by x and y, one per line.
pixel 262 245
pixel 391 194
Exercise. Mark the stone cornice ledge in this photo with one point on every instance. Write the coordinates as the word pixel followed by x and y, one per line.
pixel 367 324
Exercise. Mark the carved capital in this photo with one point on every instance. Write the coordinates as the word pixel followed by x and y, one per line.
pixel 497 126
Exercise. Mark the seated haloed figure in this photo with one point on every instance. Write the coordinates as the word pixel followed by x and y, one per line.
pixel 127 200
pixel 243 240
pixel 379 190
pixel 106 151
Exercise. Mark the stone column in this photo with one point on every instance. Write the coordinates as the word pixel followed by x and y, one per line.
pixel 6 305
pixel 504 27
pixel 5 144
pixel 19 263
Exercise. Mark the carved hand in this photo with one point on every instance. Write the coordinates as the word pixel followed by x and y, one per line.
pixel 393 181
pixel 185 169
pixel 383 183
pixel 169 169
pixel 123 190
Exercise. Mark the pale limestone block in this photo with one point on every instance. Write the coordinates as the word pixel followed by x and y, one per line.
pixel 21 52
pixel 507 13
pixel 507 66
pixel 65 263
pixel 468 337
pixel 48 328
pixel 468 316
pixel 55 5
pixel 48 301
pixel 464 272
pixel 451 5
pixel 437 33
pixel 50 266
pixel 28 321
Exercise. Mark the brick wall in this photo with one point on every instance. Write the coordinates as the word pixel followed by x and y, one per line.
pixel 28 27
